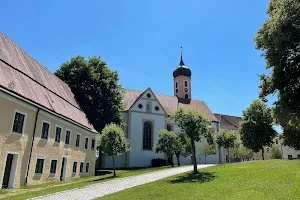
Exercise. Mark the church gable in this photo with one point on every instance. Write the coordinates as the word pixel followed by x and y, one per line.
pixel 148 103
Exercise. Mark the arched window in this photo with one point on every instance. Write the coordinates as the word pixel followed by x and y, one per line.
pixel 185 83
pixel 176 84
pixel 148 106
pixel 147 136
pixel 186 96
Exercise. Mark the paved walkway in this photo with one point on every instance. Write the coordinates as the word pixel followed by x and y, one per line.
pixel 109 187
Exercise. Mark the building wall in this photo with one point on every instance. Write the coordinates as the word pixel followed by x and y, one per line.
pixel 137 156
pixel 47 149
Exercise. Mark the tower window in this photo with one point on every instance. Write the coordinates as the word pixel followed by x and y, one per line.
pixel 185 83
pixel 176 90
pixel 186 96
pixel 176 85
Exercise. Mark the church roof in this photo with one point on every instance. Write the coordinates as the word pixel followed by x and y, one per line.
pixel 169 103
pixel 26 77
pixel 228 121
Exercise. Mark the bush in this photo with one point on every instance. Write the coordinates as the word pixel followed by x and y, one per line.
pixel 275 153
pixel 158 162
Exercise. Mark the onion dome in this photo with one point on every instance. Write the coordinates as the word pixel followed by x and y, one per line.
pixel 182 70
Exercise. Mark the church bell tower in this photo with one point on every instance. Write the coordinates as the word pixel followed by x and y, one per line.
pixel 182 80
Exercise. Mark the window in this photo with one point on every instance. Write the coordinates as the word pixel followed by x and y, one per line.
pixel 74 167
pixel 176 85
pixel 86 144
pixel 290 157
pixel 68 134
pixel 185 83
pixel 169 127
pixel 39 166
pixel 93 145
pixel 77 140
pixel 176 91
pixel 186 96
pixel 87 167
pixel 298 156
pixel 57 134
pixel 147 136
pixel 45 130
pixel 148 107
pixel 81 167
pixel 276 141
pixel 268 149
pixel 18 123
pixel 53 166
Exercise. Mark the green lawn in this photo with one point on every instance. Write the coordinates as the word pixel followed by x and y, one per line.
pixel 272 179
pixel 52 187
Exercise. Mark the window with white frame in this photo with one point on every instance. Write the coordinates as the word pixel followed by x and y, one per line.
pixel 87 167
pixel 74 167
pixel 53 166
pixel 57 134
pixel 45 130
pixel 39 166
pixel 68 135
pixel 86 144
pixel 93 144
pixel 18 122
pixel 77 144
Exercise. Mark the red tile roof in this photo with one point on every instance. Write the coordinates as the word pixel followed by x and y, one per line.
pixel 169 103
pixel 22 74
pixel 228 121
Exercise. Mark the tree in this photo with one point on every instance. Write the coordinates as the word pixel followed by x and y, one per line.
pixel 112 142
pixel 166 143
pixel 96 89
pixel 244 153
pixel 193 124
pixel 182 147
pixel 226 138
pixel 279 40
pixel 275 153
pixel 207 149
pixel 256 127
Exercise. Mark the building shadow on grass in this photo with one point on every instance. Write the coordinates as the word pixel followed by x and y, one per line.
pixel 201 177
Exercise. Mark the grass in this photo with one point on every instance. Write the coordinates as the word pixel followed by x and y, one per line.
pixel 272 179
pixel 52 187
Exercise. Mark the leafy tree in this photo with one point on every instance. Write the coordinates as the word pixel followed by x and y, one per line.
pixel 256 127
pixel 193 124
pixel 279 40
pixel 226 138
pixel 166 143
pixel 112 142
pixel 182 147
pixel 275 153
pixel 96 89
pixel 243 153
pixel 207 149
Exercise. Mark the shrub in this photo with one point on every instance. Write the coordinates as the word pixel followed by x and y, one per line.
pixel 157 162
pixel 275 153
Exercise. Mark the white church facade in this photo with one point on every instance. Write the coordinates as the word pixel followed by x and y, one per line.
pixel 147 113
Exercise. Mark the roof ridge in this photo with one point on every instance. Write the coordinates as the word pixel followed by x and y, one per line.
pixel 39 64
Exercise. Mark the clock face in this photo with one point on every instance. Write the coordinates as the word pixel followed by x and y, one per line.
pixel 186 90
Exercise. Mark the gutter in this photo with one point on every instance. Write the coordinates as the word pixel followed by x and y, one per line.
pixel 32 141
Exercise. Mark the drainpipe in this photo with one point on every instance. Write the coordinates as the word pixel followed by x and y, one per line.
pixel 32 140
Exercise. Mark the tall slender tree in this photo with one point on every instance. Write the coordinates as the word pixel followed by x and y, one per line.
pixel 194 124
pixel 256 128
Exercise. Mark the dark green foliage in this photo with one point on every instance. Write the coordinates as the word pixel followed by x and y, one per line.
pixel 157 162
pixel 193 124
pixel 256 127
pixel 96 89
pixel 112 142
pixel 275 153
pixel 279 40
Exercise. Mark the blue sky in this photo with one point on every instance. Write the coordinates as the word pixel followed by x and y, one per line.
pixel 141 40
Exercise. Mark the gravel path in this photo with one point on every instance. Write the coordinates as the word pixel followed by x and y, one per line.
pixel 108 187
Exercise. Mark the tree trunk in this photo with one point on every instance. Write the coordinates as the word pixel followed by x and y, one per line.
pixel 114 166
pixel 228 155
pixel 262 153
pixel 178 162
pixel 194 161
